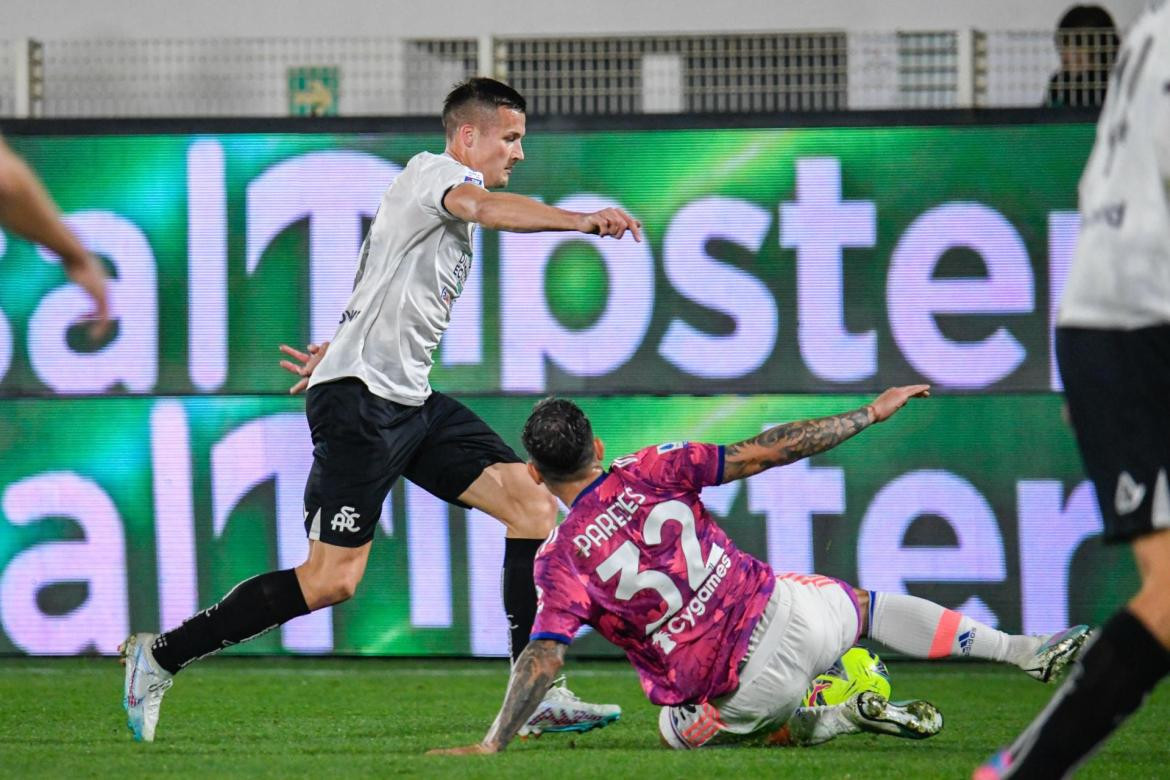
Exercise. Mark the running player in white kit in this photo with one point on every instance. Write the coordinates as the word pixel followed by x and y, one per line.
pixel 724 644
pixel 1113 347
pixel 374 417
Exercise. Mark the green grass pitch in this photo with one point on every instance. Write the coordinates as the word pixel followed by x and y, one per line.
pixel 337 718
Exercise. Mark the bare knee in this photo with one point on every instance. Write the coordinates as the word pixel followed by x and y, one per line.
pixel 342 586
pixel 533 515
pixel 1151 605
pixel 326 587
pixel 506 492
pixel 331 574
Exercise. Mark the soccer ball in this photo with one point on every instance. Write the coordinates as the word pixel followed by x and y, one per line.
pixel 858 671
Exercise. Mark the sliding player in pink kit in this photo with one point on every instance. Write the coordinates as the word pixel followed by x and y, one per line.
pixel 725 645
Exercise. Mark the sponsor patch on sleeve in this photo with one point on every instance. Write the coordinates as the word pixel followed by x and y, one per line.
pixel 673 445
pixel 475 177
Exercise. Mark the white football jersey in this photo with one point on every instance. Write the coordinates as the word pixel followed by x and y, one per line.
pixel 1120 275
pixel 413 264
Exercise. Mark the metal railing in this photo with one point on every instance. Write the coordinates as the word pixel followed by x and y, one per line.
pixel 756 72
pixel 693 74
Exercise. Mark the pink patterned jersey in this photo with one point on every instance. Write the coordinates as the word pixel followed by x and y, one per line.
pixel 641 560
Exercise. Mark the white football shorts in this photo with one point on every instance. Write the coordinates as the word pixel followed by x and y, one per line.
pixel 810 621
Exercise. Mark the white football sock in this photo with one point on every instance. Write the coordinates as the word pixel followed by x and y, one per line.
pixel 923 629
pixel 814 725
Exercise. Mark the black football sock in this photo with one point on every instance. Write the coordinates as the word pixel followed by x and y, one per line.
pixel 250 609
pixel 519 590
pixel 1105 686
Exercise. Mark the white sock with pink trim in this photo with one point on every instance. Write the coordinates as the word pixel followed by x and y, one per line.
pixel 923 629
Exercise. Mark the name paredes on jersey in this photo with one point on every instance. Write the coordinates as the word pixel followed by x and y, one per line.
pixel 606 524
pixel 697 607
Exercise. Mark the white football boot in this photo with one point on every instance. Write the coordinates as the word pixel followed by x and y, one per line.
pixel 872 712
pixel 868 712
pixel 1054 655
pixel 561 710
pixel 146 683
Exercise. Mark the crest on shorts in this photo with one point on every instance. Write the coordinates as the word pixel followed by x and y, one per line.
pixel 1129 495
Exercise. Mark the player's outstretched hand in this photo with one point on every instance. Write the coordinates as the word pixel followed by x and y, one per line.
pixel 478 749
pixel 894 399
pixel 91 277
pixel 610 222
pixel 308 362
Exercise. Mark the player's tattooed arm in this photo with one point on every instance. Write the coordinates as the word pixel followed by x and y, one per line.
pixel 532 674
pixel 792 441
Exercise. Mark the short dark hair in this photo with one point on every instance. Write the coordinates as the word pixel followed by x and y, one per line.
pixel 559 439
pixel 480 93
pixel 1090 27
pixel 1081 17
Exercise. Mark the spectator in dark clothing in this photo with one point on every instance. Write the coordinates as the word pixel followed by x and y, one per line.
pixel 1087 41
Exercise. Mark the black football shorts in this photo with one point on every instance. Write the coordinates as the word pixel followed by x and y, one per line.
pixel 362 443
pixel 1117 383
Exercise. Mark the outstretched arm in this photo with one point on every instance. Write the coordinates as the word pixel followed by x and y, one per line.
pixel 532 674
pixel 518 214
pixel 27 210
pixel 792 441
